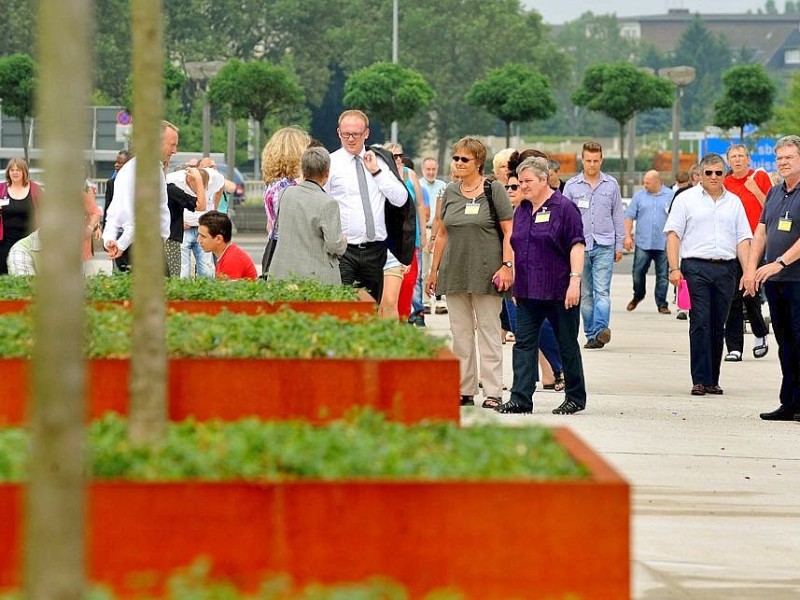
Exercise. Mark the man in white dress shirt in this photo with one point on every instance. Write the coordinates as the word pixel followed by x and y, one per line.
pixel 119 229
pixel 361 182
pixel 708 230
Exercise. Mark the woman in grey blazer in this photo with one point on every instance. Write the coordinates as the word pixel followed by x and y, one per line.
pixel 310 239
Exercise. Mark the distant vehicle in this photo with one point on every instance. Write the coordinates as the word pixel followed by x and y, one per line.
pixel 238 179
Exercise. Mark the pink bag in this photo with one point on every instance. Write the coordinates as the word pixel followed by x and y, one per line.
pixel 684 301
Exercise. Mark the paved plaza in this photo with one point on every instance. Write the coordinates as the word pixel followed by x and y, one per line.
pixel 715 490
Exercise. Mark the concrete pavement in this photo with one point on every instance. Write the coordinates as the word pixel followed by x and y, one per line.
pixel 715 490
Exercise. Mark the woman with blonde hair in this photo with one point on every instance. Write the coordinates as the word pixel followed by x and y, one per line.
pixel 18 198
pixel 280 168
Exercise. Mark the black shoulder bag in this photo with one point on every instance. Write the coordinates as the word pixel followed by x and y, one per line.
pixel 487 191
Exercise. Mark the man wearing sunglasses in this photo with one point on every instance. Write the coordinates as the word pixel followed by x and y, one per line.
pixel 361 182
pixel 707 234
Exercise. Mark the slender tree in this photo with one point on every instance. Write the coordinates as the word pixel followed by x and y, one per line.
pixel 619 91
pixel 148 383
pixel 54 526
pixel 748 98
pixel 17 87
pixel 514 93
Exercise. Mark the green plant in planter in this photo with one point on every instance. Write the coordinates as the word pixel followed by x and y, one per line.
pixel 118 287
pixel 285 334
pixel 365 446
pixel 196 582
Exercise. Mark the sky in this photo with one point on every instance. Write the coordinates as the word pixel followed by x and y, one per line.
pixel 568 10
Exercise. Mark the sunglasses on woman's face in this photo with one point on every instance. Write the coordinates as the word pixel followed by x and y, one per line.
pixel 463 159
pixel 398 156
pixel 512 186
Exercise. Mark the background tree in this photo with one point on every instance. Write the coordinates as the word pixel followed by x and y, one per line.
pixel 514 93
pixel 17 27
pixel 621 90
pixel 55 493
pixel 264 90
pixel 710 55
pixel 222 94
pixel 588 40
pixel 388 91
pixel 787 113
pixel 748 98
pixel 17 87
pixel 148 377
pixel 174 80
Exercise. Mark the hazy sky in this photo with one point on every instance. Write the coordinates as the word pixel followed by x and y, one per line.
pixel 567 10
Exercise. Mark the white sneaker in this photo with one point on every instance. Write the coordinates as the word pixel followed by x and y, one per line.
pixel 440 308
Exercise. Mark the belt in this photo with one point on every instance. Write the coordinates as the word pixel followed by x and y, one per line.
pixel 711 260
pixel 364 245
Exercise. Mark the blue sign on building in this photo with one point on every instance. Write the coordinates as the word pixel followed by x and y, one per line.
pixel 762 151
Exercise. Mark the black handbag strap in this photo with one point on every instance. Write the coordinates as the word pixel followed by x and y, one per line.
pixel 487 191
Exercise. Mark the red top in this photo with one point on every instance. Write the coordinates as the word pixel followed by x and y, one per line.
pixel 235 264
pixel 752 207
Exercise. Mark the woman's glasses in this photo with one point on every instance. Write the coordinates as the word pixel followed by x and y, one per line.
pixel 463 159
pixel 512 186
pixel 398 156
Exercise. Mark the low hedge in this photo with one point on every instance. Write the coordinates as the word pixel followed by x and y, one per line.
pixel 118 287
pixel 365 446
pixel 285 334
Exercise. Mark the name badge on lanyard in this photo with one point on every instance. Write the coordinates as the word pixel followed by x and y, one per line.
pixel 785 222
pixel 542 216
pixel 472 208
pixel 4 201
pixel 582 201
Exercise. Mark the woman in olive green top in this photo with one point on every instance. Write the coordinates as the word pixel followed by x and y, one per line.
pixel 472 266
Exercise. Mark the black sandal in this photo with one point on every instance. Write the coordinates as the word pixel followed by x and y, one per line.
pixel 512 407
pixel 492 402
pixel 560 384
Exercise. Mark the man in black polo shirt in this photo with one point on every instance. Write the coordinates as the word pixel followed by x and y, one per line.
pixel 779 233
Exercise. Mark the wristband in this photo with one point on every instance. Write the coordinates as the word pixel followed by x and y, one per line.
pixel 575 274
pixel 674 269
pixel 376 173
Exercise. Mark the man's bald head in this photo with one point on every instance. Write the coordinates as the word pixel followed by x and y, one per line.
pixel 652 182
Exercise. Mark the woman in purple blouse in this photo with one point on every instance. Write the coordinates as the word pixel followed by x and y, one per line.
pixel 548 244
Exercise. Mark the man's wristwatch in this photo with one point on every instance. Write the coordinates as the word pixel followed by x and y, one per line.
pixel 376 173
pixel 779 260
pixel 508 263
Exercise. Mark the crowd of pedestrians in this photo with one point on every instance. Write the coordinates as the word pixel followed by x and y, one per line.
pixel 518 255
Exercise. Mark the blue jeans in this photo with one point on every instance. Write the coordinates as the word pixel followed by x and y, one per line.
pixel 189 246
pixel 641 263
pixel 416 300
pixel 596 289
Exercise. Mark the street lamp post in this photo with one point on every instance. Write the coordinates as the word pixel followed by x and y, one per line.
pixel 201 72
pixel 681 76
pixel 395 58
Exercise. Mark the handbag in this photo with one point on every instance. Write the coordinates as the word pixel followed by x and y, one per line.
pixel 684 300
pixel 272 241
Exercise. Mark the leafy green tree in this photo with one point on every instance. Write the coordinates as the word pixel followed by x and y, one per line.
pixel 388 91
pixel 255 89
pixel 787 113
pixel 620 90
pixel 174 81
pixel 112 47
pixel 748 98
pixel 514 93
pixel 710 55
pixel 17 27
pixel 17 88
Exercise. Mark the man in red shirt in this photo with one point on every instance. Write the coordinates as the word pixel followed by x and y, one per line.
pixel 751 187
pixel 214 235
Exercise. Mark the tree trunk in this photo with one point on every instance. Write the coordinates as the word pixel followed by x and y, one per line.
pixel 24 141
pixel 741 134
pixel 621 156
pixel 508 134
pixel 230 155
pixel 148 384
pixel 257 153
pixel 54 552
